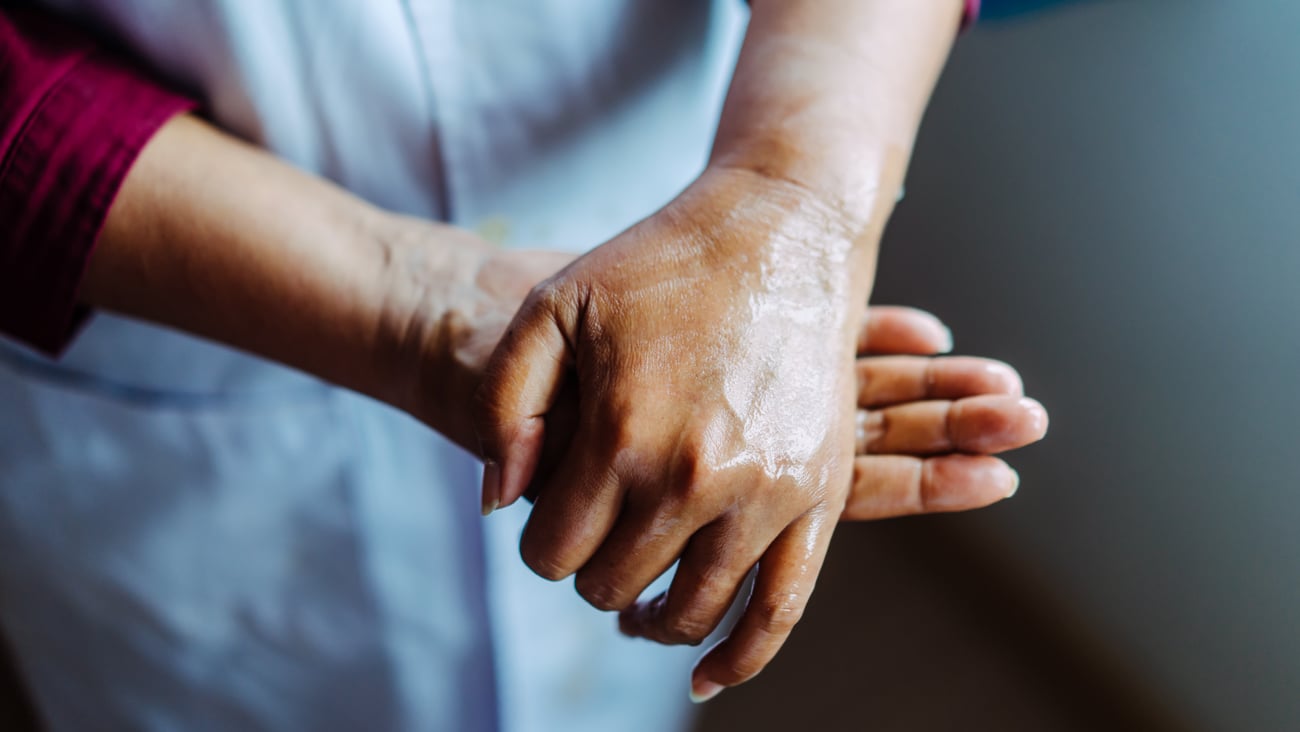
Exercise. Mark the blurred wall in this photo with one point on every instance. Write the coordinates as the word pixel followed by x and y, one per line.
pixel 1108 197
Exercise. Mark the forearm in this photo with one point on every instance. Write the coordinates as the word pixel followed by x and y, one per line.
pixel 828 95
pixel 217 238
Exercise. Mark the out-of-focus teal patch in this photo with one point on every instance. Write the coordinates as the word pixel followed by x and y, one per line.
pixel 995 9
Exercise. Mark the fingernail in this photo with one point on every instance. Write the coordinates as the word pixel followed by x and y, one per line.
pixel 1038 411
pixel 491 487
pixel 702 691
pixel 1009 380
pixel 945 342
pixel 1015 483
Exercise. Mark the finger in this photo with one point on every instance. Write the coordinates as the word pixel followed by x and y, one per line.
pixel 643 544
pixel 786 575
pixel 653 531
pixel 887 486
pixel 519 386
pixel 886 380
pixel 710 574
pixel 981 425
pixel 894 329
pixel 561 425
pixel 574 510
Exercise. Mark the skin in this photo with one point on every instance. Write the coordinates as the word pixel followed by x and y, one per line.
pixel 208 234
pixel 691 389
pixel 711 348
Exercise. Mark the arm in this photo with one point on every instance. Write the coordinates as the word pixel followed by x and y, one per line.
pixel 711 345
pixel 214 237
pixel 71 121
pixel 408 312
pixel 828 97
pixel 109 199
pixel 217 238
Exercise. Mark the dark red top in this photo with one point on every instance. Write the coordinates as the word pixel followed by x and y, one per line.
pixel 72 121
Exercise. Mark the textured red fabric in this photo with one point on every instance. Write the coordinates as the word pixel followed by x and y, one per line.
pixel 72 121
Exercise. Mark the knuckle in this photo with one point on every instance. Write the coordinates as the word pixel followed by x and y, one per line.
pixel 696 473
pixel 925 499
pixel 555 294
pixel 489 422
pixel 543 560
pixel 543 293
pixel 740 669
pixel 686 629
pixel 694 619
pixel 778 615
pixel 618 433
pixel 599 592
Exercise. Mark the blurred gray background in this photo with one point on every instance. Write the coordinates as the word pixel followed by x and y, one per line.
pixel 1108 197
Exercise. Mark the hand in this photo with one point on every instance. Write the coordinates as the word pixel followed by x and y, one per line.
pixel 711 351
pixel 926 426
pixel 891 476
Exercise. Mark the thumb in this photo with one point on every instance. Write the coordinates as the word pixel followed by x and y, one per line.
pixel 520 385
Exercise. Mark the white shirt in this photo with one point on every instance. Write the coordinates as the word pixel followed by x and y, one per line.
pixel 195 539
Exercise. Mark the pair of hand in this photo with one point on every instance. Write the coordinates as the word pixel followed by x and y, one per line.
pixel 685 392
pixel 704 389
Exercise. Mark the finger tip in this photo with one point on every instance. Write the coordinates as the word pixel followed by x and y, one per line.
pixel 507 501
pixel 968 482
pixel 1038 419
pixel 944 342
pixel 703 690
pixel 1004 379
pixel 491 486
pixel 899 329
pixel 932 336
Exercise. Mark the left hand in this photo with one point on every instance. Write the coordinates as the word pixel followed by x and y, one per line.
pixel 928 426
pixel 928 429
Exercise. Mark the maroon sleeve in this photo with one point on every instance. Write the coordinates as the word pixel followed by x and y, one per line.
pixel 72 121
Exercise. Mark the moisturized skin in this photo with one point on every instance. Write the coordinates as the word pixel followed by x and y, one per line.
pixel 209 234
pixel 711 347
pixel 712 417
pixel 713 490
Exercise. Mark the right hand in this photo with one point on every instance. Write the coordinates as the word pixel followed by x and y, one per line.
pixel 928 429
pixel 457 293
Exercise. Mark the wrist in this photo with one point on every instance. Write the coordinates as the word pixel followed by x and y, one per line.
pixel 429 307
pixel 842 240
pixel 857 186
pixel 217 238
pixel 828 94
